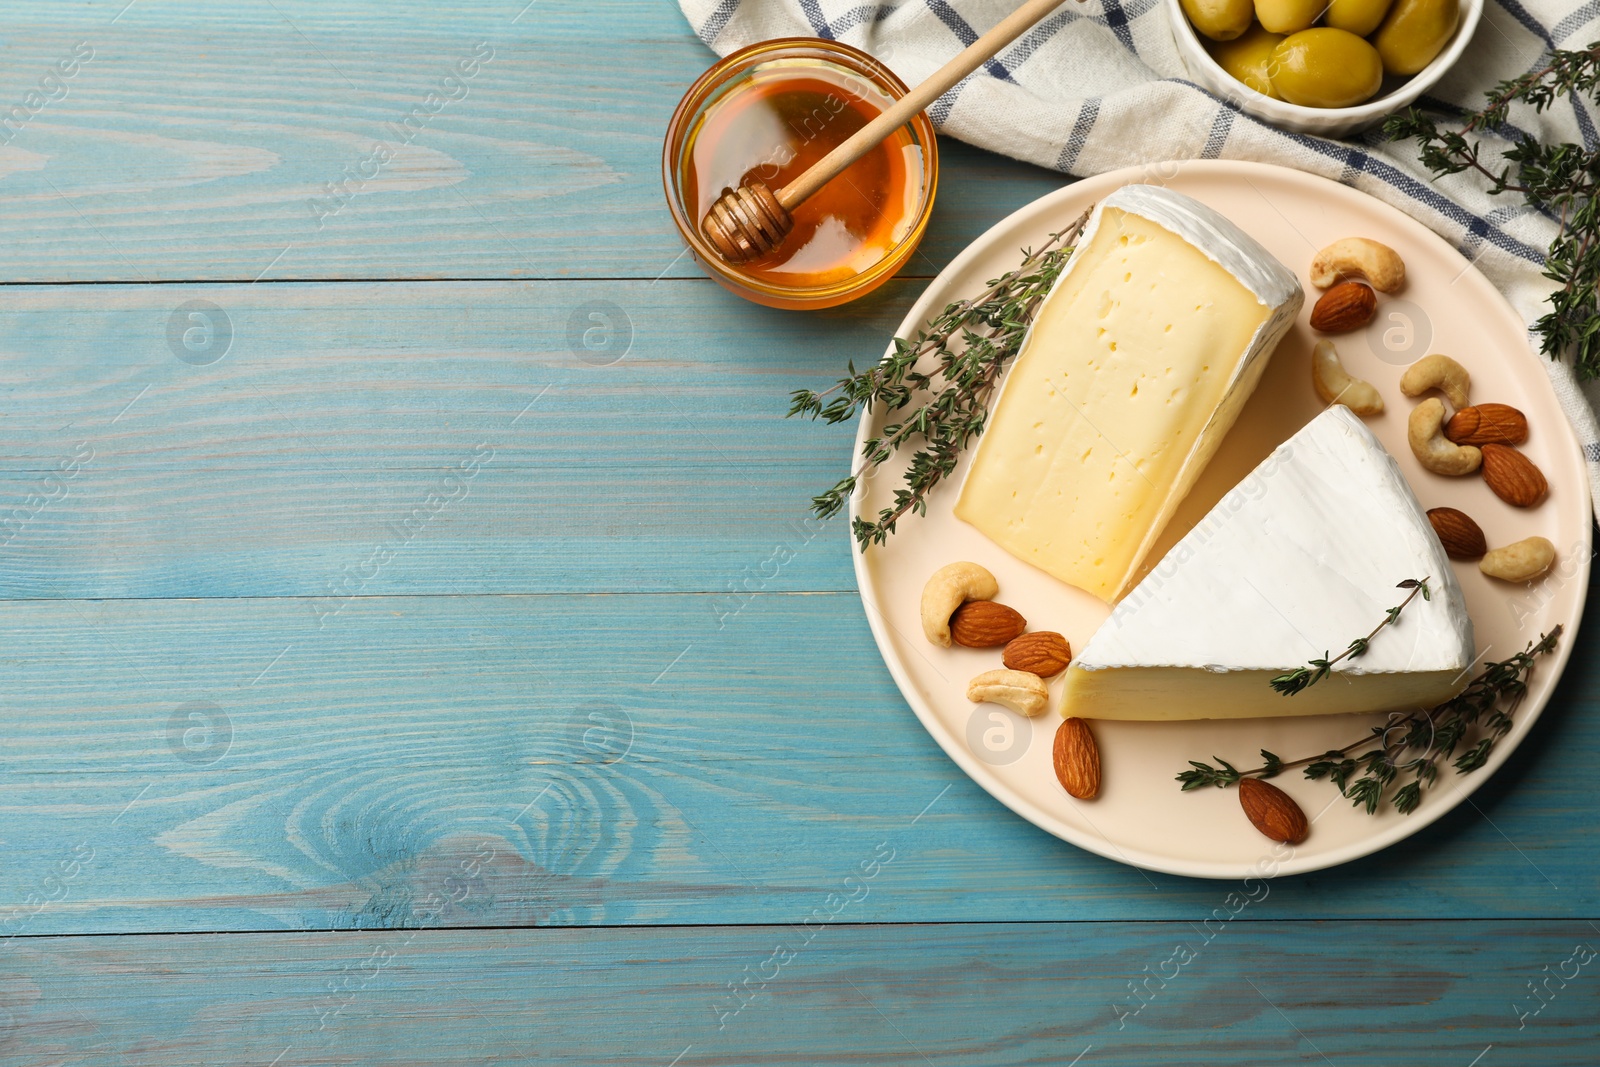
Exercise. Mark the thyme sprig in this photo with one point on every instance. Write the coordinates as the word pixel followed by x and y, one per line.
pixel 1409 746
pixel 945 375
pixel 1558 179
pixel 1317 669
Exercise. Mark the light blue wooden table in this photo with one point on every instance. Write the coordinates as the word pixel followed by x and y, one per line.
pixel 390 678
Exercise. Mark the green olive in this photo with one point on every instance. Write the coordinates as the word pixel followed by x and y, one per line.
pixel 1249 59
pixel 1414 32
pixel 1288 16
pixel 1325 68
pixel 1220 20
pixel 1360 17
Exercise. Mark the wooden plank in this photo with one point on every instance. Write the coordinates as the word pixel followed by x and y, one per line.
pixel 333 412
pixel 1230 991
pixel 239 763
pixel 192 142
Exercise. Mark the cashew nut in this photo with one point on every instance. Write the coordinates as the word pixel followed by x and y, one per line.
pixel 1359 257
pixel 951 586
pixel 1520 562
pixel 1020 691
pixel 1441 373
pixel 1433 449
pixel 1335 385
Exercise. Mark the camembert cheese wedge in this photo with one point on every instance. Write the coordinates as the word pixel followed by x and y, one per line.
pixel 1137 364
pixel 1301 557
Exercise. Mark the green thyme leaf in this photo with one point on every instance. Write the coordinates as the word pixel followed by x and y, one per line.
pixel 1480 714
pixel 943 378
pixel 1316 670
pixel 1558 180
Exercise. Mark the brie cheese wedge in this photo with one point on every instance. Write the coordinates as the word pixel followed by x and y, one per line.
pixel 1298 559
pixel 1137 364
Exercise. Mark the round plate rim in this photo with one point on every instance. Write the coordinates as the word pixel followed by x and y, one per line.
pixel 1086 191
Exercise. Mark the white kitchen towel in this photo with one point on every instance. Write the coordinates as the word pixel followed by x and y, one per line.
pixel 1099 85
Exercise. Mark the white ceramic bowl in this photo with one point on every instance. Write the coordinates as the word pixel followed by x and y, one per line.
pixel 1323 121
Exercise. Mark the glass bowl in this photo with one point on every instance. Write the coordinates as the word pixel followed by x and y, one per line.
pixel 738 72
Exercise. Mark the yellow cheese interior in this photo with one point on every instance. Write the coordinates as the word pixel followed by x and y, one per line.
pixel 1114 406
pixel 1164 693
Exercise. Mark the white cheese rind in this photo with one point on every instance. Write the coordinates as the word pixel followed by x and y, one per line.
pixel 1299 558
pixel 1078 478
pixel 1234 250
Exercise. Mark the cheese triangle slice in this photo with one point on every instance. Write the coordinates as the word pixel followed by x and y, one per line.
pixel 1300 558
pixel 1135 367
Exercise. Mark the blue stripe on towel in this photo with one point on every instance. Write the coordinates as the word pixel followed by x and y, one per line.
pixel 856 16
pixel 1117 19
pixel 941 108
pixel 718 21
pixel 819 22
pixel 1353 168
pixel 1529 23
pixel 1404 183
pixel 1576 21
pixel 1034 39
pixel 966 35
pixel 1392 176
pixel 1080 134
pixel 1219 132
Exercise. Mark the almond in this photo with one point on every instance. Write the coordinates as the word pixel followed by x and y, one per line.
pixel 1077 759
pixel 1347 306
pixel 1487 424
pixel 1272 811
pixel 1513 477
pixel 1042 652
pixel 985 624
pixel 1462 538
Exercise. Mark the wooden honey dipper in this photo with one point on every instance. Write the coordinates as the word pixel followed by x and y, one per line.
pixel 748 222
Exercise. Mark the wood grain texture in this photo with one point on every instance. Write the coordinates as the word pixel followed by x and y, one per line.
pixel 338 409
pixel 237 142
pixel 416 618
pixel 1233 992
pixel 277 502
pixel 244 763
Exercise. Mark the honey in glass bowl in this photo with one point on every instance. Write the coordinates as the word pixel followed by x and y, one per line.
pixel 767 114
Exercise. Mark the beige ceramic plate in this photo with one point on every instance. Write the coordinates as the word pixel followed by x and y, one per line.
pixel 1141 817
